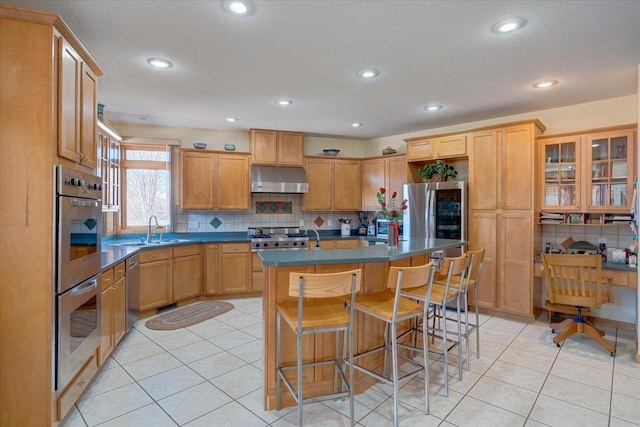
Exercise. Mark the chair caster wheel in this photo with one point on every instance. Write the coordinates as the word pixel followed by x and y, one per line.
pixel 612 354
pixel 558 345
pixel 553 331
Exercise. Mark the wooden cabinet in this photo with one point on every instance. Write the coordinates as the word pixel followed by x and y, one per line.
pixel 214 181
pixel 187 272
pixel 257 270
pixel 108 166
pixel 431 148
pixel 155 278
pixel 387 172
pixel 113 317
pixel 212 284
pixel 585 176
pixel 235 266
pixel 276 148
pixel 77 98
pixel 501 214
pixel 333 185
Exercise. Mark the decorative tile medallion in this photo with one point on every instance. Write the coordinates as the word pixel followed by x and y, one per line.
pixel 215 223
pixel 90 223
pixel 274 207
pixel 318 221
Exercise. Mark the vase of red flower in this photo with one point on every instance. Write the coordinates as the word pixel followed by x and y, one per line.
pixel 392 211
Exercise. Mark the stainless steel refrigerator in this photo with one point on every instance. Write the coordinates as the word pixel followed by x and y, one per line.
pixel 437 210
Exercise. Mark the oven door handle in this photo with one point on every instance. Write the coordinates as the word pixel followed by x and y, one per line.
pixel 84 288
pixel 84 203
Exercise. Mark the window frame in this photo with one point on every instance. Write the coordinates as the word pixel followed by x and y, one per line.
pixel 148 165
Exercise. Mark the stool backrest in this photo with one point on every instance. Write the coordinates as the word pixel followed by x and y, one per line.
pixel 326 285
pixel 475 265
pixel 404 278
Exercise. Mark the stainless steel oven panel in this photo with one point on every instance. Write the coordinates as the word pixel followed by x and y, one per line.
pixel 78 314
pixel 79 231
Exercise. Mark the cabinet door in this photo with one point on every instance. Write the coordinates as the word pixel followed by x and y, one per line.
pixel 119 310
pixel 483 170
pixel 264 149
pixel 516 168
pixel 88 117
pixel 347 189
pixel 483 235
pixel 559 168
pixel 396 171
pixel 373 177
pixel 236 272
pixel 155 284
pixel 233 182
pixel 609 171
pixel 290 149
pixel 187 277
pixel 257 277
pixel 320 177
pixel 452 146
pixel 420 150
pixel 106 324
pixel 70 68
pixel 516 254
pixel 199 180
pixel 212 284
pixel 348 244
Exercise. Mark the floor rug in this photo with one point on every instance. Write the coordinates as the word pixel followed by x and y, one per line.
pixel 188 315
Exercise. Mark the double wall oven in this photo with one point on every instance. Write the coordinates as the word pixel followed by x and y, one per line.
pixel 78 264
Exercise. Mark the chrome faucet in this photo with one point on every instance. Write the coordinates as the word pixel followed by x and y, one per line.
pixel 317 237
pixel 149 227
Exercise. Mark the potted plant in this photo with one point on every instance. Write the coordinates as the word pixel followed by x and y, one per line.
pixel 438 171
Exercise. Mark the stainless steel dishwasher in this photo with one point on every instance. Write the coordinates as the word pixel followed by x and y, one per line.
pixel 133 289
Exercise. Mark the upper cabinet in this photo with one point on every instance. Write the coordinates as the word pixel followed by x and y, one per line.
pixel 214 181
pixel 387 172
pixel 77 100
pixel 276 148
pixel 431 148
pixel 334 184
pixel 108 151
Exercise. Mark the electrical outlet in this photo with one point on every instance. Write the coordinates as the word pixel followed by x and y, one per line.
pixel 193 224
pixel 602 240
pixel 302 223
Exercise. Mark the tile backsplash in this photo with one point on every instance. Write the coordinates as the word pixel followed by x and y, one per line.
pixel 268 209
pixel 617 236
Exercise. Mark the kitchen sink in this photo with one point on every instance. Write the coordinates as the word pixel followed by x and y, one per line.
pixel 152 243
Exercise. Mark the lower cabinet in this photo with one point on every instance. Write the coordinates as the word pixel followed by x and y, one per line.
pixel 212 284
pixel 257 279
pixel 113 315
pixel 235 266
pixel 187 272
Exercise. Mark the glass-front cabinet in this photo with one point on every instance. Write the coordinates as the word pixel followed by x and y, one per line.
pixel 561 174
pixel 610 171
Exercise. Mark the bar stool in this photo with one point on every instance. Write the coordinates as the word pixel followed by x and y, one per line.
pixel 475 262
pixel 454 270
pixel 319 309
pixel 391 308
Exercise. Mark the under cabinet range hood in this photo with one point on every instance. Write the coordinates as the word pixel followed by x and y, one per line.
pixel 273 179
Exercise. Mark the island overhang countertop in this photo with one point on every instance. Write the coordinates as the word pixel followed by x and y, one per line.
pixel 367 254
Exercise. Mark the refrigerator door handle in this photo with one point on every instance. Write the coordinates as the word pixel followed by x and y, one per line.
pixel 431 195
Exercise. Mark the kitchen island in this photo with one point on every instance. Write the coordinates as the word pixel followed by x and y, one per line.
pixel 368 333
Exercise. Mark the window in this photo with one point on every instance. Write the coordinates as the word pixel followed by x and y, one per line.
pixel 146 185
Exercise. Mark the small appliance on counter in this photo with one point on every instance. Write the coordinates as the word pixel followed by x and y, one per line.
pixel 345 226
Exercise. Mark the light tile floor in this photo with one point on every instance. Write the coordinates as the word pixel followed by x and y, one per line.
pixel 210 374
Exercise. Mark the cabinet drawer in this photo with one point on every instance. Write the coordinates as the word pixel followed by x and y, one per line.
pixel 106 279
pixel 70 396
pixel 155 255
pixel 452 146
pixel 186 250
pixel 118 272
pixel 235 248
pixel 620 278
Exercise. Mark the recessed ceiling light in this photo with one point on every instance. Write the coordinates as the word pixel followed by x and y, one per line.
pixel 231 119
pixel 368 73
pixel 433 107
pixel 509 25
pixel 143 118
pixel 543 84
pixel 238 7
pixel 159 63
pixel 356 125
pixel 284 102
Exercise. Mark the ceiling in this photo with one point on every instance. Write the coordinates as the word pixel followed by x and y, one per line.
pixel 427 52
